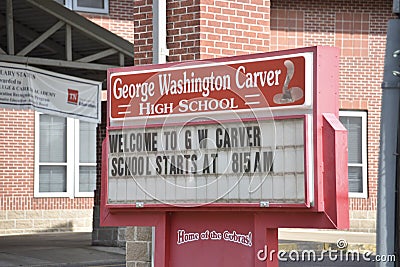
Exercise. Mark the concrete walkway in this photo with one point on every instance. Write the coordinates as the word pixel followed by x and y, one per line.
pixel 57 249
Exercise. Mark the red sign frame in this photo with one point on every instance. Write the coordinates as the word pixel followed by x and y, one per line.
pixel 329 207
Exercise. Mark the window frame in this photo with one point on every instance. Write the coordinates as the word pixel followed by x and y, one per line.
pixel 73 5
pixel 364 151
pixel 79 164
pixel 73 162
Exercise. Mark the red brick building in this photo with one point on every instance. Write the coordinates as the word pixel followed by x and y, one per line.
pixel 203 29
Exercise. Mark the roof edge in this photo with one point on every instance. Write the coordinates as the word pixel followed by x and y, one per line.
pixel 86 26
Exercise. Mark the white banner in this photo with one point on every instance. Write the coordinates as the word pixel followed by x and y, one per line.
pixel 26 87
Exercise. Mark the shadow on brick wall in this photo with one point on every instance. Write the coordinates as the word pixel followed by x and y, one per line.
pixel 61 227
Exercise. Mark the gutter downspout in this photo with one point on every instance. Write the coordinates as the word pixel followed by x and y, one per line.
pixel 160 53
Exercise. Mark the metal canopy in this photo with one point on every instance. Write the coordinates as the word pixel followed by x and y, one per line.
pixel 48 35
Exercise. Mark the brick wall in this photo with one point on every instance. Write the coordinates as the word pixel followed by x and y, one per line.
pixel 230 28
pixel 120 19
pixel 183 30
pixel 20 212
pixel 17 149
pixel 143 27
pixel 202 29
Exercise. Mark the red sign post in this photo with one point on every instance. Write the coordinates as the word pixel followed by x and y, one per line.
pixel 219 154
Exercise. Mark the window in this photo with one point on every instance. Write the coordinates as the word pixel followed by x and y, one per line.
pixel 356 125
pixel 65 157
pixel 95 6
pixel 87 156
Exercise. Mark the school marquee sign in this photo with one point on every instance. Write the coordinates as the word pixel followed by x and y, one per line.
pixel 218 154
pixel 206 133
